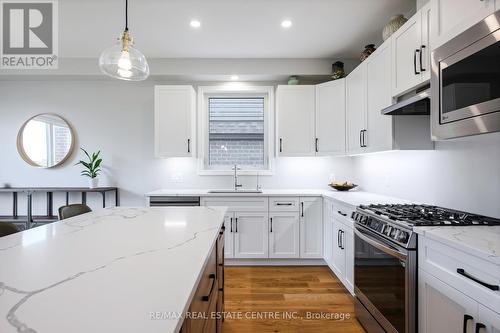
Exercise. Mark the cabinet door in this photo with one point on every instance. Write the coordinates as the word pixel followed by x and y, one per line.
pixel 427 42
pixel 338 254
pixel 378 136
pixel 311 228
pixel 451 17
pixel 327 231
pixel 228 236
pixel 295 113
pixel 406 44
pixel 490 319
pixel 330 118
pixel 284 235
pixel 348 244
pixel 251 232
pixel 174 115
pixel 356 108
pixel 442 308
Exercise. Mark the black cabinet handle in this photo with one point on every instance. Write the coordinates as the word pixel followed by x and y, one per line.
pixel 479 326
pixel 231 224
pixel 271 224
pixel 302 206
pixel 415 61
pixel 316 143
pixel 421 52
pixel 281 145
pixel 284 204
pixel 236 229
pixel 466 319
pixel 207 298
pixel 343 214
pixel 462 272
pixel 189 145
pixel 360 139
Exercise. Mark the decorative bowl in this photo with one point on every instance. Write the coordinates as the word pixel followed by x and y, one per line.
pixel 343 187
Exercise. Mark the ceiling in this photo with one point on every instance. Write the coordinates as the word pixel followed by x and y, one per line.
pixel 229 28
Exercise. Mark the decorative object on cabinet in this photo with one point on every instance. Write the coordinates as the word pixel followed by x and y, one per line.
pixel 394 24
pixel 92 167
pixel 342 186
pixel 369 49
pixel 293 80
pixel 45 141
pixel 338 71
pixel 123 61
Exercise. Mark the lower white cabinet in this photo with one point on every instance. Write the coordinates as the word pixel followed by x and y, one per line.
pixel 311 227
pixel 284 235
pixel 490 320
pixel 228 236
pixel 251 234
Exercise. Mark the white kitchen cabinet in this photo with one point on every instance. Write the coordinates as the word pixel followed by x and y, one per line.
pixel 338 254
pixel 311 227
pixel 251 235
pixel 330 118
pixel 451 17
pixel 284 235
pixel 295 107
pixel 356 109
pixel 348 242
pixel 379 133
pixel 228 236
pixel 174 118
pixel 410 53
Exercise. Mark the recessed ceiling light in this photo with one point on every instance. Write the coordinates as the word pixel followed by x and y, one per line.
pixel 235 77
pixel 286 24
pixel 195 24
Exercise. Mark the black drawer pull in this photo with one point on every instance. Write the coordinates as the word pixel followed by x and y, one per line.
pixel 479 326
pixel 343 214
pixel 466 319
pixel 462 272
pixel 231 225
pixel 284 204
pixel 207 298
pixel 236 227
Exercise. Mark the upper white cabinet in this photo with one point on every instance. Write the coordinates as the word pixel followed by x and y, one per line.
pixel 356 109
pixel 451 17
pixel 311 227
pixel 174 121
pixel 330 118
pixel 295 106
pixel 411 53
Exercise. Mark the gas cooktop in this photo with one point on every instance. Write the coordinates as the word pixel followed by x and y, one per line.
pixel 425 215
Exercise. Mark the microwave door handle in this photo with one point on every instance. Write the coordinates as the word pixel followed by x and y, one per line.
pixel 380 246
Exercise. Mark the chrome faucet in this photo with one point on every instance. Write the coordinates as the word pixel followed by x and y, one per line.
pixel 236 185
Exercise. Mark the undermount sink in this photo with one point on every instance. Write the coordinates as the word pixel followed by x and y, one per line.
pixel 235 191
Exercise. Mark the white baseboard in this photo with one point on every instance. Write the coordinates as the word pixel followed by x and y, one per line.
pixel 274 262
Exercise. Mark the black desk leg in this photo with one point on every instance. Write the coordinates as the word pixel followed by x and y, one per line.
pixel 103 199
pixel 30 210
pixel 49 204
pixel 14 205
pixel 117 198
pixel 67 198
pixel 84 198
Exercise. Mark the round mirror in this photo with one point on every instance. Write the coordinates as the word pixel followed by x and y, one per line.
pixel 45 141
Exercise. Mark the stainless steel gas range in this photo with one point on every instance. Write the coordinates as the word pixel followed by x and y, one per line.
pixel 385 261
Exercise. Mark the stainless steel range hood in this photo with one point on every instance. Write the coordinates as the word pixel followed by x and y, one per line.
pixel 414 103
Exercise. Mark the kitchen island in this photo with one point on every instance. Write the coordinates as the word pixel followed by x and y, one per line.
pixel 112 270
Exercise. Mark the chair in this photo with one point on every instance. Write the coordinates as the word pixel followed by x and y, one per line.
pixel 7 229
pixel 65 212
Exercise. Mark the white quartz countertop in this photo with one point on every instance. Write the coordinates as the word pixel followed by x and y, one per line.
pixel 353 197
pixel 106 271
pixel 481 241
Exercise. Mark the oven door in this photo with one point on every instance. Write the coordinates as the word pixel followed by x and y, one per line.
pixel 385 281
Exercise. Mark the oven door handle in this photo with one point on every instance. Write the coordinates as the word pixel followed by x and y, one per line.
pixel 384 248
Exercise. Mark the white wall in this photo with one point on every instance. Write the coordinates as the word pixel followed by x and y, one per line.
pixel 117 117
pixel 463 174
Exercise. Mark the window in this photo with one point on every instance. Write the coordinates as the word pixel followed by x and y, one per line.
pixel 235 129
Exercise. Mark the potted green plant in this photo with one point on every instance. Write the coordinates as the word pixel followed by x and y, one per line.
pixel 92 167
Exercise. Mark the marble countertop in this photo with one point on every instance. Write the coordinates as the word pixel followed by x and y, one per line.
pixel 106 271
pixel 481 241
pixel 353 197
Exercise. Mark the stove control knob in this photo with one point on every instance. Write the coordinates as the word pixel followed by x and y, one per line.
pixel 387 230
pixel 403 237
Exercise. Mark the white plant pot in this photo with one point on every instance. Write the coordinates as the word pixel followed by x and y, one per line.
pixel 93 182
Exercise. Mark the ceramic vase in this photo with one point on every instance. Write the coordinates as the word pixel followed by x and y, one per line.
pixel 369 49
pixel 394 24
pixel 93 182
pixel 338 70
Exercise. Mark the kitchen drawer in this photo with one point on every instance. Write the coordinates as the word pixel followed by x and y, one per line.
pixel 442 261
pixel 343 212
pixel 205 293
pixel 238 204
pixel 284 204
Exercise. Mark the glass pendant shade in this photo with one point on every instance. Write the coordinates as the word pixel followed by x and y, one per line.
pixel 123 61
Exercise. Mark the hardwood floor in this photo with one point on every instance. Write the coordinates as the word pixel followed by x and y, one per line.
pixel 283 297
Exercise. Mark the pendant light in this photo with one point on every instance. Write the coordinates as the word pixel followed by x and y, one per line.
pixel 123 61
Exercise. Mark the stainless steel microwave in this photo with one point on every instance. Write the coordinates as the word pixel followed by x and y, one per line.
pixel 465 82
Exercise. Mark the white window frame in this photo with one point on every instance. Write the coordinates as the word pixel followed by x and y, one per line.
pixel 206 92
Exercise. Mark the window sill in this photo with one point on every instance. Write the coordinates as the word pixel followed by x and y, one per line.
pixel 206 172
